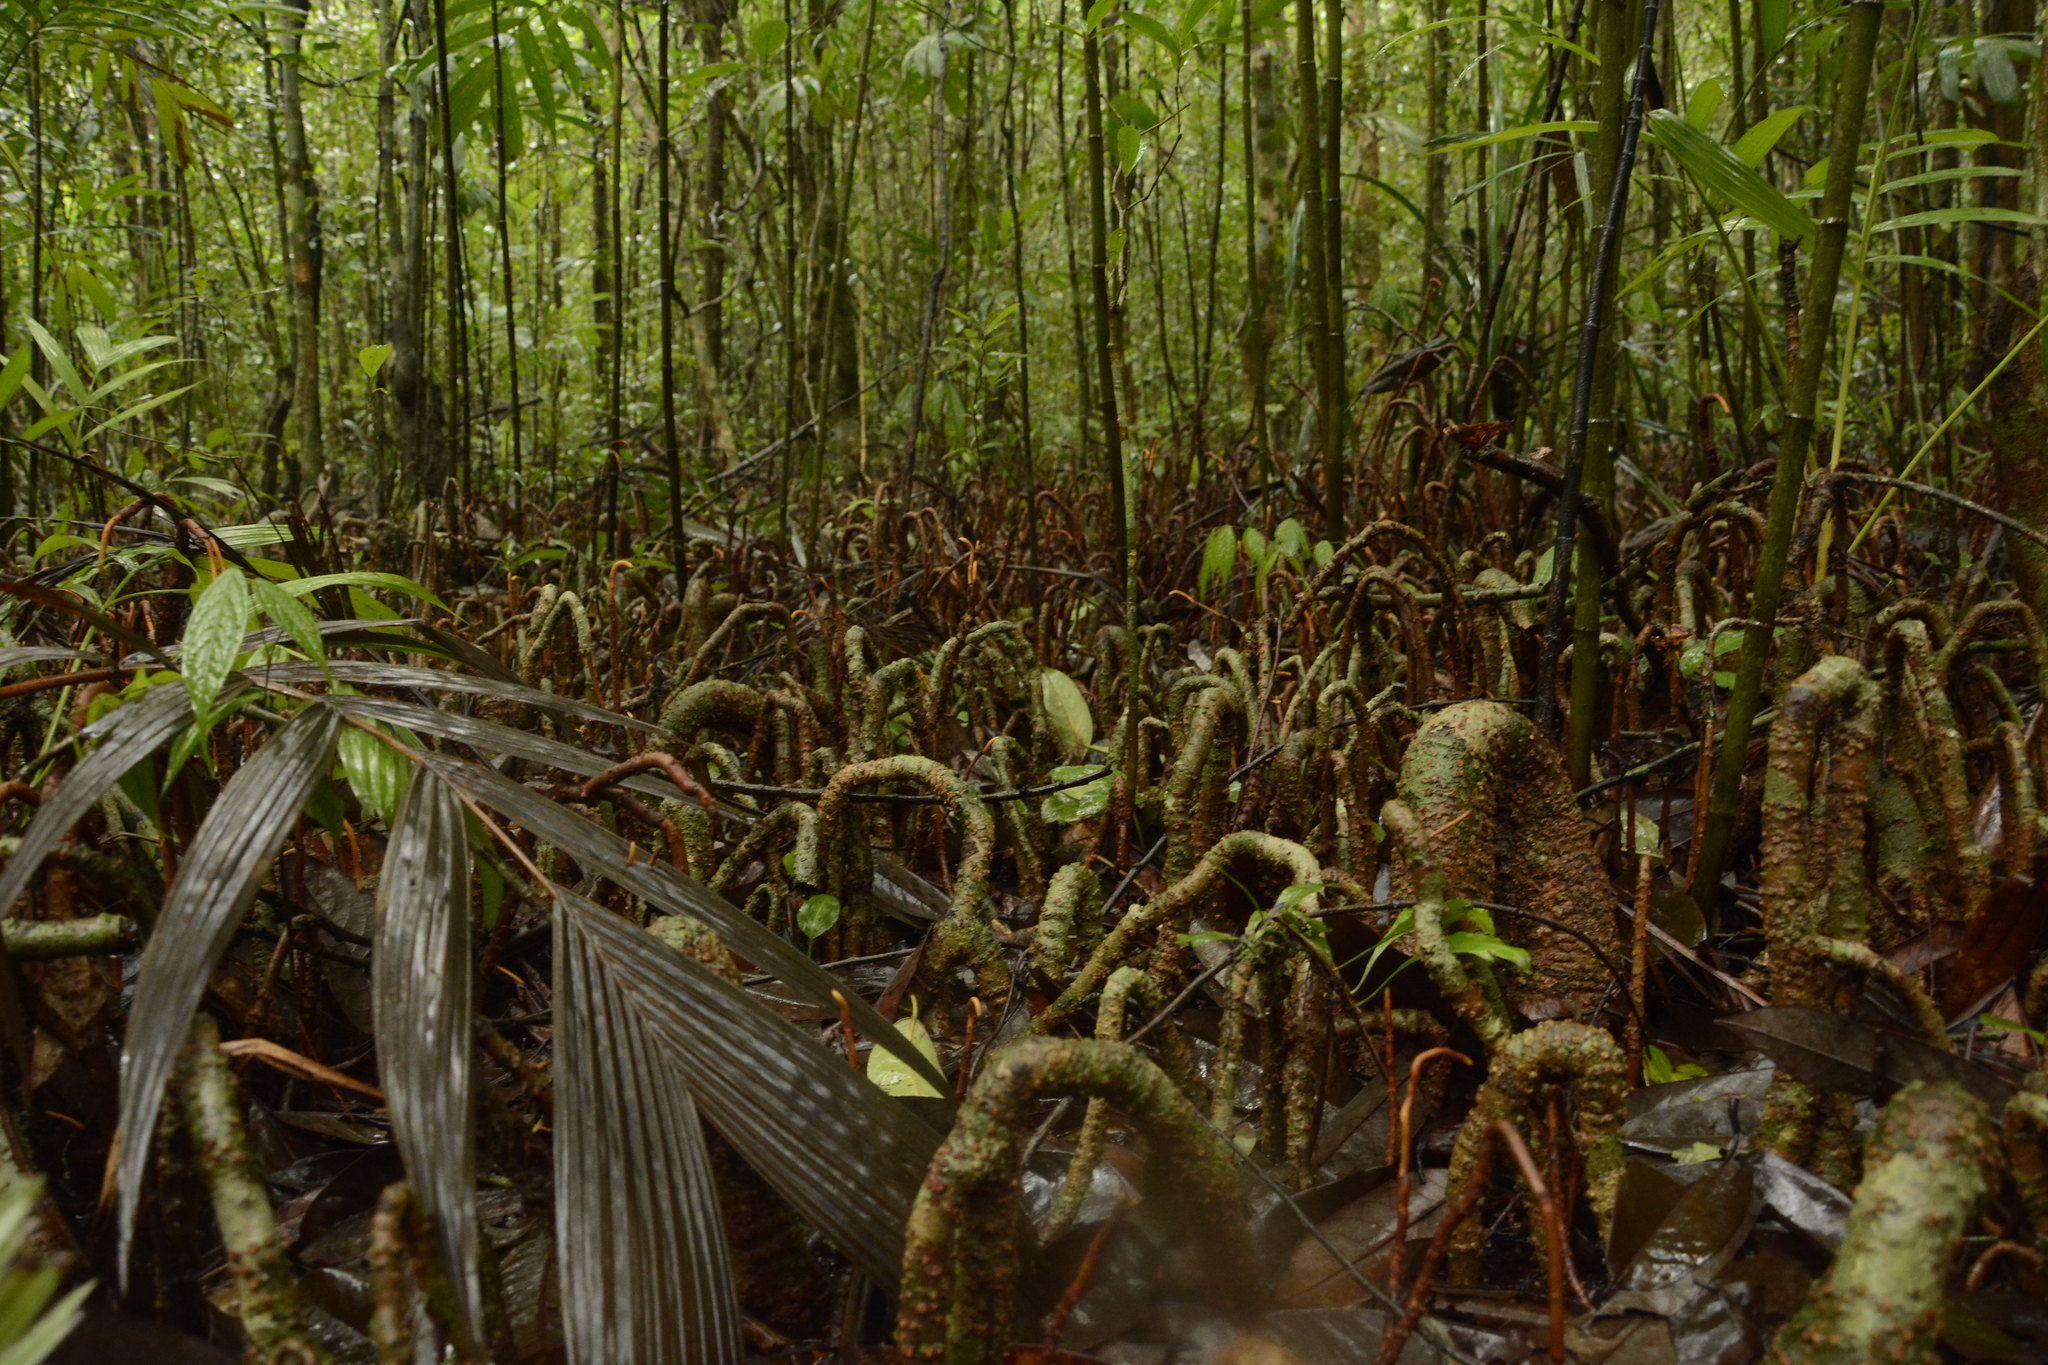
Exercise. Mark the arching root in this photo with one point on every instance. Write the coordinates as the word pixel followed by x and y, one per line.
pixel 1926 1170
pixel 1556 1052
pixel 962 1245
pixel 1504 826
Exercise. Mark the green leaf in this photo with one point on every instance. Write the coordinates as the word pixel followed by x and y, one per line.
pixel 1940 217
pixel 1693 1153
pixel 1066 710
pixel 213 637
pixel 289 615
pixel 1465 142
pixel 1757 141
pixel 372 359
pixel 387 582
pixel 1092 20
pixel 766 38
pixel 1153 29
pixel 818 914
pixel 1489 947
pixel 60 363
pixel 1132 110
pixel 376 772
pixel 1075 803
pixel 1725 178
pixel 1219 557
pixel 1290 538
pixel 1130 145
pixel 888 1071
pixel 16 370
pixel 1773 17
pixel 1291 897
pixel 1705 102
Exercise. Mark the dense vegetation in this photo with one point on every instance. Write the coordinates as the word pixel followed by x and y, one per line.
pixel 723 679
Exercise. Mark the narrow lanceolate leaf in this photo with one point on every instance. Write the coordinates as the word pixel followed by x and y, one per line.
pixel 212 637
pixel 1725 178
pixel 420 988
pixel 447 680
pixel 17 655
pixel 846 1156
pixel 604 852
pixel 645 1273
pixel 247 826
pixel 131 734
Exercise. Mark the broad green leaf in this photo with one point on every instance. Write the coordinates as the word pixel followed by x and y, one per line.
pixel 1093 18
pixel 1773 17
pixel 1995 74
pixel 817 915
pixel 1133 110
pixel 289 615
pixel 376 772
pixel 1075 803
pixel 15 371
pixel 1066 710
pixel 1130 145
pixel 372 359
pixel 1705 102
pixel 60 363
pixel 1725 179
pixel 1153 29
pixel 1290 538
pixel 766 38
pixel 1219 557
pixel 1487 946
pixel 1757 141
pixel 213 637
pixel 888 1071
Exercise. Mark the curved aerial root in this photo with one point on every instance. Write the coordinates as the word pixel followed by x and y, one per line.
pixel 1071 920
pixel 962 1245
pixel 962 938
pixel 1172 905
pixel 1927 1168
pixel 1125 984
pixel 2025 1124
pixel 1505 827
pixel 1556 1052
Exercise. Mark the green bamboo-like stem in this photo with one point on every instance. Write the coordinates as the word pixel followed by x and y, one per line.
pixel 1817 315
pixel 1593 328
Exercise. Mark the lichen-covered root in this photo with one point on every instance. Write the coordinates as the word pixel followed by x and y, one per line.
pixel 1927 1168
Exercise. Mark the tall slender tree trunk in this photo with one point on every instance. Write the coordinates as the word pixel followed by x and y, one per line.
pixel 672 455
pixel 301 196
pixel 1098 285
pixel 1261 119
pixel 1316 245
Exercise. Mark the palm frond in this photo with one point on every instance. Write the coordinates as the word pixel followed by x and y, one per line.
pixel 845 1155
pixel 658 884
pixel 645 1272
pixel 420 988
pixel 244 831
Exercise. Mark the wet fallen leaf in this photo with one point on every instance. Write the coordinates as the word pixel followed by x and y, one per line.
pixel 1363 1233
pixel 1831 1052
pixel 1998 942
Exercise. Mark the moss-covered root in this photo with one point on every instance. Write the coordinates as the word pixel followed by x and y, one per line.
pixel 1173 905
pixel 1485 1015
pixel 265 1300
pixel 1928 1166
pixel 2026 1151
pixel 1071 921
pixel 1125 985
pixel 1508 829
pixel 963 937
pixel 957 1274
pixel 1555 1053
pixel 1813 882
